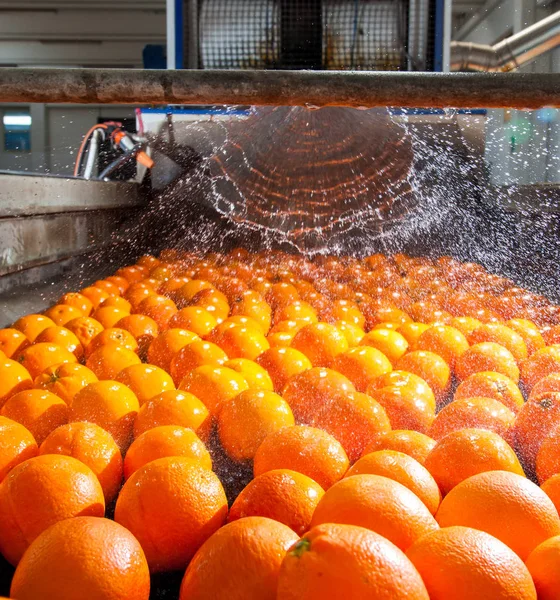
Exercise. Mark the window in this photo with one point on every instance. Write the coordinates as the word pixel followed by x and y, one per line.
pixel 17 131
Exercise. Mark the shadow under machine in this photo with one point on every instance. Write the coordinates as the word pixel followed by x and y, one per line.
pixel 319 126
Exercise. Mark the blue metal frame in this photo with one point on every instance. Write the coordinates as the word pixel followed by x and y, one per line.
pixel 439 18
pixel 179 34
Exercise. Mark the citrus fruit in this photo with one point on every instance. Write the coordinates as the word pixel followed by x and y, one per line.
pixel 412 443
pixel 16 445
pixel 146 381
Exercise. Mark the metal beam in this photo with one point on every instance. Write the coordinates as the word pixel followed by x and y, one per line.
pixel 291 88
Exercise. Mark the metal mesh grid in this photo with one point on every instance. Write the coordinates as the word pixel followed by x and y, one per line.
pixel 313 34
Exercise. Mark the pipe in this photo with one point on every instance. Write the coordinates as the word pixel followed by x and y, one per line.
pixel 511 53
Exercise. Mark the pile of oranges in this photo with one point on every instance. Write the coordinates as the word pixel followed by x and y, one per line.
pixel 285 428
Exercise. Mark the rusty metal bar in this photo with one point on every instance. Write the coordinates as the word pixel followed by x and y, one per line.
pixel 292 88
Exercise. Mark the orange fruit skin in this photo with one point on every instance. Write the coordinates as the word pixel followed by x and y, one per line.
pixel 16 445
pixel 142 328
pixel 242 342
pixel 548 458
pixel 195 319
pixel 92 446
pixel 174 408
pixel 40 492
pixel 12 341
pixel 477 413
pixel 414 444
pixel 463 563
pixel 516 511
pixel 550 383
pixel 377 503
pixel 411 331
pixel 283 363
pixel 160 442
pixel 283 495
pixel 196 354
pixel 62 314
pixel 108 361
pixel 353 334
pixel 250 551
pixel 307 450
pixel 158 308
pixel 32 325
pixel 108 315
pixel 172 506
pixel 166 345
pixel 246 420
pixel 146 381
pixel 14 378
pixel 321 343
pixel 84 553
pixel 404 469
pixel 544 565
pixel 466 325
pixel 85 329
pixel 345 561
pixel 256 376
pixel 109 404
pixel 37 410
pixel 214 385
pixel 38 357
pixel 65 380
pixel 78 301
pixel 534 423
pixel 541 363
pixel 313 389
pixel 488 384
pixel 466 452
pixel 62 337
pixel 430 367
pixel 503 335
pixel 116 302
pixel 487 356
pixel 354 420
pixel 392 344
pixel 362 365
pixel 551 487
pixel 445 341
pixel 529 332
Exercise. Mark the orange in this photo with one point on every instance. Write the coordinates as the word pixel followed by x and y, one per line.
pixel 280 339
pixel 291 327
pixel 130 273
pixel 550 383
pixel 65 380
pixel 256 376
pixel 171 286
pixel 548 458
pixel 62 314
pixel 120 282
pixel 406 382
pixel 391 343
pixel 387 314
pixel 166 345
pixel 16 445
pixel 39 411
pixel 92 446
pixel 109 315
pixel 195 319
pixel 282 364
pixel 116 302
pixel 411 331
pixel 516 511
pixel 544 565
pixel 353 334
pixel 160 442
pixel 445 341
pixel 313 389
pixel 281 294
pixel 477 412
pixel 489 384
pixel 193 355
pixel 40 492
pixel 503 335
pixel 307 450
pixel 146 381
pixel 13 379
pixel 174 408
pixel 362 365
pixel 551 487
pixel 79 301
pixel 172 506
pixel 466 325
pixel 32 325
pixel 296 311
pixel 213 302
pixel 109 360
pixel 377 503
pixel 345 561
pixel 187 292
pixel 463 564
pixel 529 332
pixel 137 292
pixel 85 553
pixel 85 329
pixel 347 311
pixel 430 367
pixel 62 337
pixel 12 342
pixel 321 343
pixel 283 495
pixel 114 336
pixel 249 551
pixel 109 404
pixel 158 308
pixel 246 420
pixel 108 286
pixel 487 356
pixel 214 385
pixel 40 356
pixel 541 363
pixel 466 452
pixel 404 469
pixel 142 328
pixel 354 420
pixel 242 342
pixel 408 442
pixel 252 304
pixel 538 419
